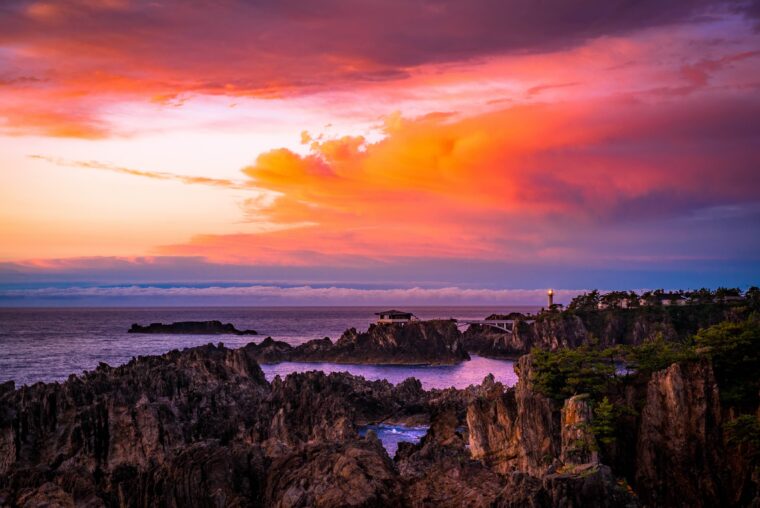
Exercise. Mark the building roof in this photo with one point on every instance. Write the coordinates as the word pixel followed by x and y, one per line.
pixel 393 312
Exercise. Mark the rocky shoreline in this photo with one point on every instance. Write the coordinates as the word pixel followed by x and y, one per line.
pixel 203 427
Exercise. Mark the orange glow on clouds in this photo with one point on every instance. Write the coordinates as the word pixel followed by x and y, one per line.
pixel 443 186
pixel 464 131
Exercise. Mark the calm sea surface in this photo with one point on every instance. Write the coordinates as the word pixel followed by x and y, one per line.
pixel 49 344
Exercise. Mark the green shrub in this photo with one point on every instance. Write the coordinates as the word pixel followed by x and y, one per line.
pixel 567 372
pixel 657 355
pixel 605 419
pixel 734 349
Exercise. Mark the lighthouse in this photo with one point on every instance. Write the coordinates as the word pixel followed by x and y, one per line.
pixel 550 294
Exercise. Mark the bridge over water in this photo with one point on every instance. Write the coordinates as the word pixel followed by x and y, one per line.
pixel 505 325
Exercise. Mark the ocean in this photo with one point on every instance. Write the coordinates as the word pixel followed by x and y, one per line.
pixel 49 344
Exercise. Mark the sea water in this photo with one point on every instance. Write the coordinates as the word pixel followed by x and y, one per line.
pixel 50 344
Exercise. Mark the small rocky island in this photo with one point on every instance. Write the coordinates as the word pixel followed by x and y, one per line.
pixel 191 328
pixel 435 342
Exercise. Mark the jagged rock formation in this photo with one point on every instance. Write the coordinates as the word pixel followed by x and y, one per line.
pixel 199 427
pixel 202 474
pixel 191 328
pixel 129 424
pixel 516 429
pixel 334 474
pixel 676 453
pixel 546 454
pixel 680 442
pixel 557 330
pixel 414 343
pixel 440 472
pixel 578 442
pixel 202 427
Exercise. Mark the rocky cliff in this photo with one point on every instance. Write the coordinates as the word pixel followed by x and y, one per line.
pixel 555 330
pixel 515 429
pixel 414 343
pixel 202 427
pixel 680 439
pixel 677 451
pixel 199 427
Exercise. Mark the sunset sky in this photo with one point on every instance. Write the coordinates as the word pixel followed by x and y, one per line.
pixel 362 151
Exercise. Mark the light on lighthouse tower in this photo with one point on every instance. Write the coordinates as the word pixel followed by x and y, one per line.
pixel 550 293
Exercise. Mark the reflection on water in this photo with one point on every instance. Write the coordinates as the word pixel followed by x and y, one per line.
pixel 431 376
pixel 392 435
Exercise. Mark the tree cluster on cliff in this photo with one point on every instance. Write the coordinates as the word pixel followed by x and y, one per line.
pixel 731 348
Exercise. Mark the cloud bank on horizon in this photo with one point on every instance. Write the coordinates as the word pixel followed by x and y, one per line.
pixel 277 296
pixel 484 144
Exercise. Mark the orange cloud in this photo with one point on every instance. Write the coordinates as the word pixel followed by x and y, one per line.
pixel 499 185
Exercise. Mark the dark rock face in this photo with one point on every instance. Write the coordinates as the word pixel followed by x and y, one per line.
pixel 413 343
pixel 557 330
pixel 203 474
pixel 416 342
pixel 128 422
pixel 517 429
pixel 440 471
pixel 591 486
pixel 202 427
pixel 191 328
pixel 270 350
pixel 350 473
pixel 680 442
